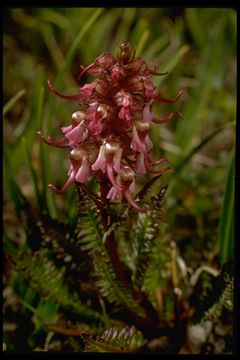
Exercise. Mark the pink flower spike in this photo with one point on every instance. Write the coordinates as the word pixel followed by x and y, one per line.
pixel 86 90
pixel 66 129
pixel 66 186
pixel 67 97
pixel 149 88
pixel 117 160
pixel 128 197
pixel 149 143
pixel 84 70
pixel 58 143
pixel 167 118
pixel 84 172
pixel 101 162
pixel 110 172
pixel 155 163
pixel 140 165
pixel 115 73
pixel 147 115
pixel 159 171
pixel 114 194
pixel 169 101
pixel 137 144
pixel 78 134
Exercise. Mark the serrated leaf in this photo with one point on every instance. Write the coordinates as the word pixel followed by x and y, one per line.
pixel 115 340
pixel 49 281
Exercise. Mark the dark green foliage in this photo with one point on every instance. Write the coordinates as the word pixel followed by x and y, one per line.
pixel 112 288
pixel 50 282
pixel 90 236
pixel 226 225
pixel 218 295
pixel 115 340
pixel 145 236
pixel 225 300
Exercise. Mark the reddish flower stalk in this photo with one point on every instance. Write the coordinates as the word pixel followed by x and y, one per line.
pixel 111 134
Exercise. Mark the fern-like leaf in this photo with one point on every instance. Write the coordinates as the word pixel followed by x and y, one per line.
pixel 146 234
pixel 115 340
pixel 144 241
pixel 49 281
pixel 225 300
pixel 145 189
pixel 219 295
pixel 112 288
pixel 90 237
pixel 89 229
pixel 158 272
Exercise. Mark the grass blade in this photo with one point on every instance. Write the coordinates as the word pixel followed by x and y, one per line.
pixel 14 189
pixel 127 18
pixel 226 225
pixel 207 71
pixel 74 46
pixel 196 26
pixel 171 64
pixel 13 101
pixel 142 42
pixel 184 161
pixel 68 59
pixel 33 174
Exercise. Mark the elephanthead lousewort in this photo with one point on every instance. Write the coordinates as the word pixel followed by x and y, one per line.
pixel 109 134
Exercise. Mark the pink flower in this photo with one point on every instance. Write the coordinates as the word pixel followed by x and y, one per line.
pixel 79 169
pixel 126 182
pixel 110 136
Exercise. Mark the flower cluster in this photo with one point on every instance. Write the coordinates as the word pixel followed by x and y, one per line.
pixel 109 136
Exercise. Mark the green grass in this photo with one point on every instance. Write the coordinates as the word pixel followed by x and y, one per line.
pixel 226 225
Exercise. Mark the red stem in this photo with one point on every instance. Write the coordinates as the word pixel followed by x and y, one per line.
pixel 110 242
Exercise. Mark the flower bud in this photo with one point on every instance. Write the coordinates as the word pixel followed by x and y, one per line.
pixel 102 109
pixel 126 53
pixel 111 148
pixel 126 174
pixel 142 126
pixel 101 87
pixel 77 154
pixel 78 116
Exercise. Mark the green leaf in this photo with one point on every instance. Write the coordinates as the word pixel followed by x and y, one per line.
pixel 13 101
pixel 142 42
pixel 47 197
pixel 14 190
pixel 184 160
pixel 115 340
pixel 90 236
pixel 144 241
pixel 89 229
pixel 208 66
pixel 71 52
pixel 33 174
pixel 112 288
pixel 49 281
pixel 127 18
pixel 217 296
pixel 226 225
pixel 46 312
pixel 169 65
pixel 196 27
